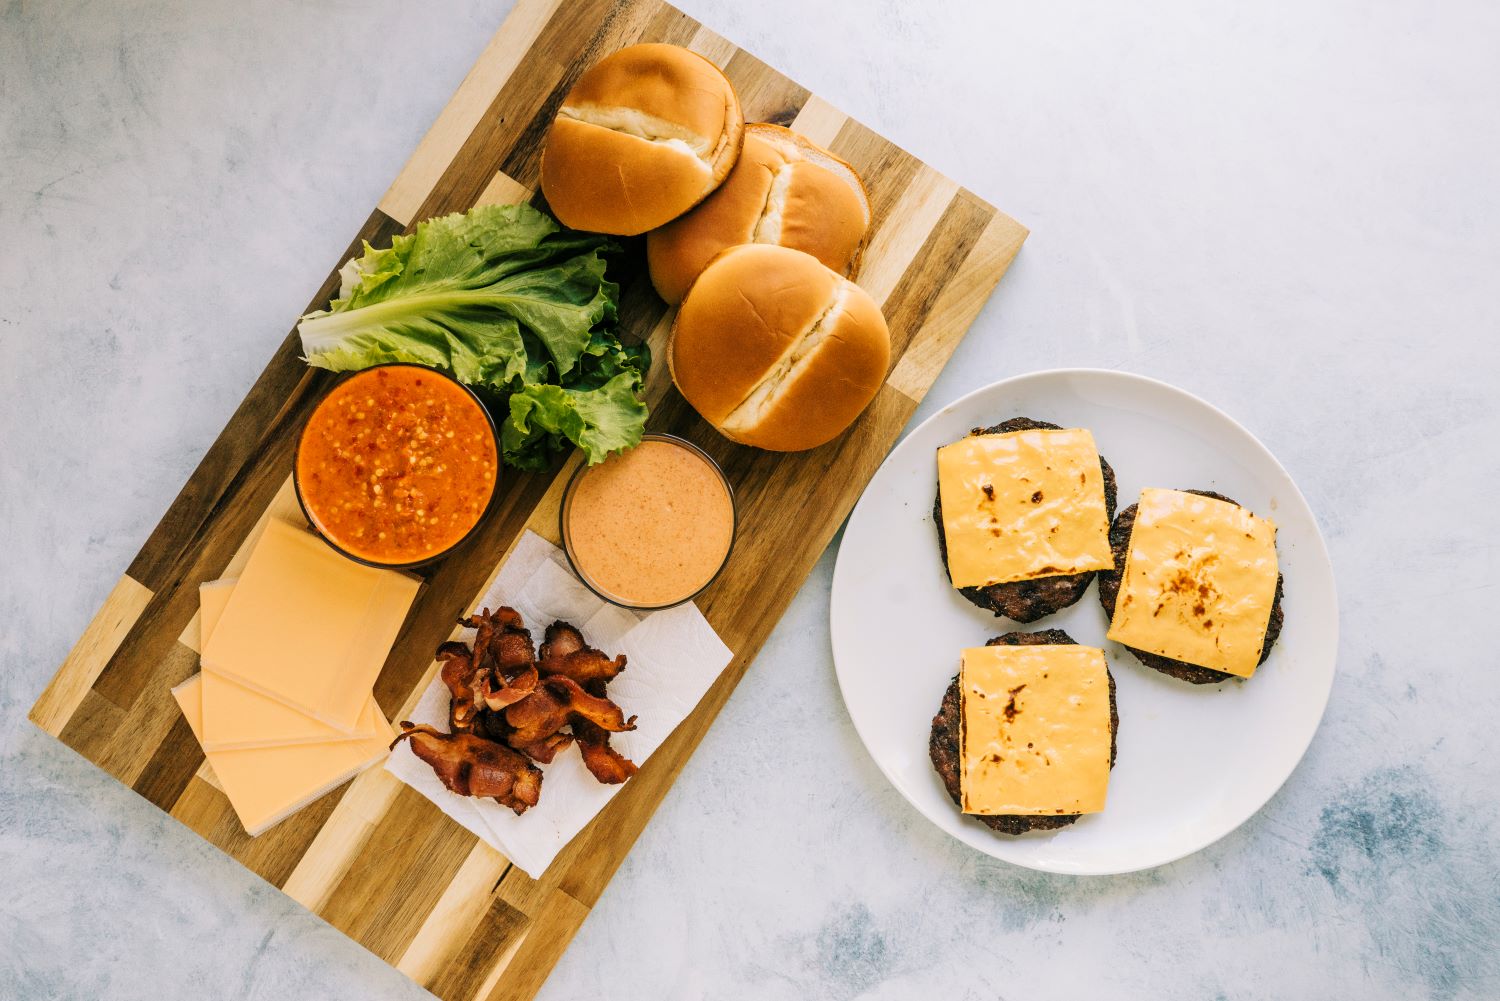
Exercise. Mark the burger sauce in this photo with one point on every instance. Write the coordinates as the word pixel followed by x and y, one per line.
pixel 649 527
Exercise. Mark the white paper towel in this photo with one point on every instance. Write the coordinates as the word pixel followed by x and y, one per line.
pixel 672 656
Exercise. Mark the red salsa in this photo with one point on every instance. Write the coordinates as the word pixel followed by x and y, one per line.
pixel 396 464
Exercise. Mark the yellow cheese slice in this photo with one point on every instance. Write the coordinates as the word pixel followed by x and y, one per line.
pixel 1023 505
pixel 1035 736
pixel 212 597
pixel 244 718
pixel 307 627
pixel 267 784
pixel 1199 583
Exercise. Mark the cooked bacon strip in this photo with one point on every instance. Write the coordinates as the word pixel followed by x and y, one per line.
pixel 565 653
pixel 597 709
pixel 510 651
pixel 501 642
pixel 510 693
pixel 536 717
pixel 485 625
pixel 604 762
pixel 472 766
pixel 504 659
pixel 490 724
pixel 560 640
pixel 556 701
pixel 503 617
pixel 546 749
pixel 458 674
pixel 510 703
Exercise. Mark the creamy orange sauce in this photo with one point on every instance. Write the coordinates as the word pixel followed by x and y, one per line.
pixel 651 526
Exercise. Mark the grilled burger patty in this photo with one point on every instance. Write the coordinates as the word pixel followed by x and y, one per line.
pixel 1109 592
pixel 942 744
pixel 1026 600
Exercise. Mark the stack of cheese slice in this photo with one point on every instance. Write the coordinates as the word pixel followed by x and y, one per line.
pixel 290 652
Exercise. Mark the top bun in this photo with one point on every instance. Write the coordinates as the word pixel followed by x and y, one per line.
pixel 777 351
pixel 784 189
pixel 644 135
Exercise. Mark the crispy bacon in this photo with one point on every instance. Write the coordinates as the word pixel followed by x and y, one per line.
pixel 536 718
pixel 503 617
pixel 556 702
pixel 511 652
pixel 560 640
pixel 546 749
pixel 504 661
pixel 565 653
pixel 604 762
pixel 457 673
pixel 512 705
pixel 508 693
pixel 472 766
pixel 490 724
pixel 597 709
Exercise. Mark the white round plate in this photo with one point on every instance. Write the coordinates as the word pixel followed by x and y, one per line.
pixel 1195 761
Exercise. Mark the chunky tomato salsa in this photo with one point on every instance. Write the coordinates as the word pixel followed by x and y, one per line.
pixel 396 465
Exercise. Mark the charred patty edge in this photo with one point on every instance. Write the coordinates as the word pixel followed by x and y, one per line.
pixel 1026 601
pixel 1109 593
pixel 943 749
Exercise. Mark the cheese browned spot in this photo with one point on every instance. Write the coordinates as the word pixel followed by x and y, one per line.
pixel 1199 582
pixel 1023 505
pixel 1035 734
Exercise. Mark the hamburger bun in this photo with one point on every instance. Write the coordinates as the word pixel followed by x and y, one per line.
pixel 784 189
pixel 777 351
pixel 644 135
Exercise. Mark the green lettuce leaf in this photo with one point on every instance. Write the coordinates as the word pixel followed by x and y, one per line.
pixel 509 302
pixel 601 420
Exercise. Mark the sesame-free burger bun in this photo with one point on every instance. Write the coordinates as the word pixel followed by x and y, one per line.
pixel 784 189
pixel 644 135
pixel 777 351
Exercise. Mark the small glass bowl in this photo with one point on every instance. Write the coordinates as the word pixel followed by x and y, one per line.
pixel 613 599
pixel 426 560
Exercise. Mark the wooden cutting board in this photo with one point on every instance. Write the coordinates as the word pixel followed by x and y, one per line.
pixel 374 858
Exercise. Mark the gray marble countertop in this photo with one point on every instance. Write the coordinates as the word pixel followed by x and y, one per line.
pixel 1291 210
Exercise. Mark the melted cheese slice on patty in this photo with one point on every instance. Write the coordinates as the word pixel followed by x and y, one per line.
pixel 1200 580
pixel 1023 505
pixel 1035 733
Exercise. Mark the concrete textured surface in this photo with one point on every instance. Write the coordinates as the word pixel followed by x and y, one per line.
pixel 1289 209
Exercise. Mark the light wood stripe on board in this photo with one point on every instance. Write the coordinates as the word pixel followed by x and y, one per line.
pixel 459 909
pixel 957 306
pixel 103 636
pixel 819 121
pixel 893 245
pixel 499 60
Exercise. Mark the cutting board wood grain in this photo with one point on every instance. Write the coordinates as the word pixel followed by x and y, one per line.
pixel 373 858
